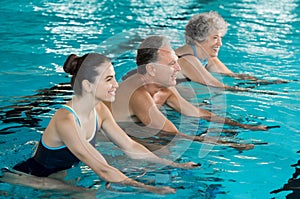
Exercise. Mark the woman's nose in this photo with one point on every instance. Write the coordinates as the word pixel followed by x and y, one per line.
pixel 116 85
pixel 219 42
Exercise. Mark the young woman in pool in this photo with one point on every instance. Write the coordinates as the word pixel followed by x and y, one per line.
pixel 70 135
pixel 199 56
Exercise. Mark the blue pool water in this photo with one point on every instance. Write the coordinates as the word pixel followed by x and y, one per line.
pixel 262 40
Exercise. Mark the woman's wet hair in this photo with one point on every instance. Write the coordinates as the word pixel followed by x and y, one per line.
pixel 148 51
pixel 201 25
pixel 83 68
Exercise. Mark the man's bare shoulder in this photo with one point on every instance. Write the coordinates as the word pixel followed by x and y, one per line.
pixel 168 90
pixel 140 94
pixel 132 82
pixel 129 87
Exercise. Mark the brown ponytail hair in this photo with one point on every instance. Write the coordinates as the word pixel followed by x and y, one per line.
pixel 83 68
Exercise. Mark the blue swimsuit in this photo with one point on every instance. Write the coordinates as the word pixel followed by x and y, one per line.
pixel 204 62
pixel 48 160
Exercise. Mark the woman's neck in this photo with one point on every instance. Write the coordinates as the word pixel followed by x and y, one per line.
pixel 200 51
pixel 82 105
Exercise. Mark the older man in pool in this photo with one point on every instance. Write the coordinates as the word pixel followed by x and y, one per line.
pixel 142 93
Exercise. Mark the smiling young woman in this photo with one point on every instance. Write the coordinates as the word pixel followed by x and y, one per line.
pixel 71 134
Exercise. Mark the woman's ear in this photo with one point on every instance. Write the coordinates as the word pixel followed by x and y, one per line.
pixel 87 86
pixel 150 68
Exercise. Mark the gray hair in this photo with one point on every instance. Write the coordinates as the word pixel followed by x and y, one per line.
pixel 201 25
pixel 148 51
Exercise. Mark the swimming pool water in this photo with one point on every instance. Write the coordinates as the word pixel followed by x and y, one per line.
pixel 262 40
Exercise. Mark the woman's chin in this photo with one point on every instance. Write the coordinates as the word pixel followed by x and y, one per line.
pixel 110 99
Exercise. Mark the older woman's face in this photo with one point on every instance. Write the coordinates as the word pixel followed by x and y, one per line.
pixel 212 43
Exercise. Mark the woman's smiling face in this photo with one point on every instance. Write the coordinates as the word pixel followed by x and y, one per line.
pixel 212 43
pixel 106 84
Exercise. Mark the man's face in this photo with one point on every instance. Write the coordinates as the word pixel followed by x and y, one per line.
pixel 166 68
